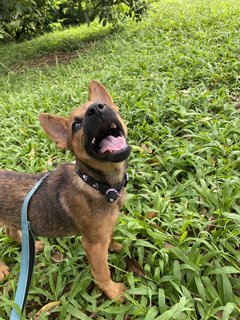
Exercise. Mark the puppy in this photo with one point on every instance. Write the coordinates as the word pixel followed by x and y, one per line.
pixel 82 198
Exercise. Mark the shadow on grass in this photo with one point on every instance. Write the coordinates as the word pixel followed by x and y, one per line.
pixel 52 48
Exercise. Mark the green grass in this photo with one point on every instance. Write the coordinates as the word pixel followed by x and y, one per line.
pixel 176 79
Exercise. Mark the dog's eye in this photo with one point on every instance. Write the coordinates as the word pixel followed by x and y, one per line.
pixel 76 125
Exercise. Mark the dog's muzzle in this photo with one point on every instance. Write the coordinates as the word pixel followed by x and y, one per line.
pixel 105 136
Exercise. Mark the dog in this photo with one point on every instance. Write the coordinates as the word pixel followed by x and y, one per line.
pixel 84 197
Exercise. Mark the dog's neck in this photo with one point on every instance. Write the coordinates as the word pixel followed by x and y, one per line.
pixel 113 177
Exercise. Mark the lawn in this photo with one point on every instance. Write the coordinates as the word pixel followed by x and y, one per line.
pixel 176 78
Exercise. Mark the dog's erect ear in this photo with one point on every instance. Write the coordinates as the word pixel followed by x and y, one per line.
pixel 56 128
pixel 98 93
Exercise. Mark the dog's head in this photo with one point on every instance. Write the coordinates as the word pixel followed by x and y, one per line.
pixel 94 132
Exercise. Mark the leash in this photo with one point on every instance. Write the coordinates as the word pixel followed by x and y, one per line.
pixel 27 258
pixel 28 241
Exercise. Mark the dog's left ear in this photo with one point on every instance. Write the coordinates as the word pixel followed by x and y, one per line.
pixel 98 93
pixel 56 128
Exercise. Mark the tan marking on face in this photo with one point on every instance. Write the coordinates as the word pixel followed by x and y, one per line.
pixel 77 141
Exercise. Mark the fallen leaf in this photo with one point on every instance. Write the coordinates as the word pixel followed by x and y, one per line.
pixel 133 265
pixel 146 148
pixel 219 314
pixel 168 245
pixel 57 256
pixel 151 214
pixel 153 161
pixel 47 308
pixel 32 154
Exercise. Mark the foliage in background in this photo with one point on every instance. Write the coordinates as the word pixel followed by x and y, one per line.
pixel 175 77
pixel 24 19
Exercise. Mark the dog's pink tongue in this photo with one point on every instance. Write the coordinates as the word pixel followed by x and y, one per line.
pixel 112 144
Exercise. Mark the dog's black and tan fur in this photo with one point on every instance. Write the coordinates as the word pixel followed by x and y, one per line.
pixel 64 204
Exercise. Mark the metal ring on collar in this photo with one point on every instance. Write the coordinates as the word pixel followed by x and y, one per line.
pixel 111 195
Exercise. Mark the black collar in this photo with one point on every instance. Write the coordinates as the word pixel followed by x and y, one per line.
pixel 110 192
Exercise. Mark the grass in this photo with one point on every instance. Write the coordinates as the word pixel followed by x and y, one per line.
pixel 175 77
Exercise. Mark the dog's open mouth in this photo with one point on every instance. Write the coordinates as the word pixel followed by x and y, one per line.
pixel 105 138
pixel 109 139
pixel 108 143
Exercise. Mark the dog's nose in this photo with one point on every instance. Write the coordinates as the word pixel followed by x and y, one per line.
pixel 96 108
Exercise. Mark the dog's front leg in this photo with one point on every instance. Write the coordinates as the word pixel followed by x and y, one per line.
pixel 97 254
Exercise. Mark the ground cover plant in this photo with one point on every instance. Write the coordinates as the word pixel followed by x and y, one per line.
pixel 176 78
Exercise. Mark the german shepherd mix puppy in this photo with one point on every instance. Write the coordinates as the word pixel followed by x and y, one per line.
pixel 82 198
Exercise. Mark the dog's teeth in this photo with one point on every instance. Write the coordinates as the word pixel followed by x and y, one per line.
pixel 93 140
pixel 113 125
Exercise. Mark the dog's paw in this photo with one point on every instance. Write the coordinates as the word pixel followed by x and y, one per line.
pixel 115 291
pixel 39 245
pixel 4 270
pixel 115 246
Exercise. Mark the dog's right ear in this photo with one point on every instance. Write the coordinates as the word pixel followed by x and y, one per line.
pixel 56 128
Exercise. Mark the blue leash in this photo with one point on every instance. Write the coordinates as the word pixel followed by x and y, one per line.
pixel 27 258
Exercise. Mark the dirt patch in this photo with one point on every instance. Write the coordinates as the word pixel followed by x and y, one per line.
pixel 53 59
pixel 50 59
